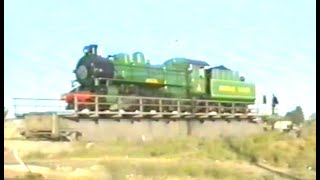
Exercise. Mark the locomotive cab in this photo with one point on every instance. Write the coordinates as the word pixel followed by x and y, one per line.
pixel 225 84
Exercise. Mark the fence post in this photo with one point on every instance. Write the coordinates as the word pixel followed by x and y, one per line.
pixel 207 107
pixel 160 106
pixel 75 105
pixel 141 105
pixel 233 109
pixel 96 105
pixel 178 105
pixel 55 125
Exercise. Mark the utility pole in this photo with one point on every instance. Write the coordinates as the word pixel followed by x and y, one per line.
pixel 274 103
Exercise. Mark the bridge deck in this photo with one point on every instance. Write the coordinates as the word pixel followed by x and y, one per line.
pixel 137 108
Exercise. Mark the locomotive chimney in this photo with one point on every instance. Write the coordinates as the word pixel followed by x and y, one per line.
pixel 91 49
pixel 95 48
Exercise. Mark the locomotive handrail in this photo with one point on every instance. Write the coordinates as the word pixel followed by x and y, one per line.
pixel 150 104
pixel 166 99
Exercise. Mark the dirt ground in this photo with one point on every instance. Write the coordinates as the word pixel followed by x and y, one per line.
pixel 48 168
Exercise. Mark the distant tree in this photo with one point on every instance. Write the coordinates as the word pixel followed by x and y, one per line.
pixel 296 116
pixel 313 116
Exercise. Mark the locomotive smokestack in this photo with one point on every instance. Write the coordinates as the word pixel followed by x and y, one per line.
pixel 94 48
pixel 91 49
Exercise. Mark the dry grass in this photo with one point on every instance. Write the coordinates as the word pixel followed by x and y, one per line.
pixel 182 169
pixel 197 157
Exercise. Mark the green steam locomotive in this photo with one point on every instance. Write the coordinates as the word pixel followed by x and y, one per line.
pixel 179 78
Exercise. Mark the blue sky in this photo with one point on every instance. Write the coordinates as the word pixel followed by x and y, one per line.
pixel 271 42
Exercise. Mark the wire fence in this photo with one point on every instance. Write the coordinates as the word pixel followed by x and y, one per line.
pixel 35 105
